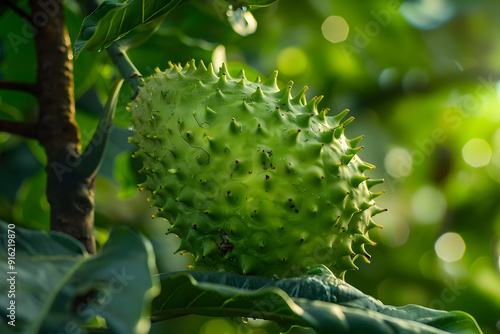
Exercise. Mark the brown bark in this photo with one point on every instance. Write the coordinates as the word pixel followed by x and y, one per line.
pixel 27 130
pixel 71 196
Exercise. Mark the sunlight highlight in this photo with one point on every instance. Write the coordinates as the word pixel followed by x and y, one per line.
pixel 450 247
pixel 292 61
pixel 428 205
pixel 335 29
pixel 398 162
pixel 477 152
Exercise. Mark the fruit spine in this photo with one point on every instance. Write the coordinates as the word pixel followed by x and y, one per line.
pixel 252 179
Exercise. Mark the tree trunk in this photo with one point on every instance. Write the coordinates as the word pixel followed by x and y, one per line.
pixel 71 196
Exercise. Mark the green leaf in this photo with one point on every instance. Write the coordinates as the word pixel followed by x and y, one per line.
pixel 113 20
pixel 242 3
pixel 59 287
pixel 91 159
pixel 318 300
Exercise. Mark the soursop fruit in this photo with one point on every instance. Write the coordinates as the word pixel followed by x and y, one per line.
pixel 252 180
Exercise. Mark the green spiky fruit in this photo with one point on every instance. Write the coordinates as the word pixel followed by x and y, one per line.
pixel 252 179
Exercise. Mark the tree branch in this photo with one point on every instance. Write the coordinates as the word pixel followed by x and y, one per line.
pixel 19 11
pixel 26 87
pixel 118 55
pixel 25 129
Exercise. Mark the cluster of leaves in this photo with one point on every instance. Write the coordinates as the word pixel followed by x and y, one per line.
pixel 75 290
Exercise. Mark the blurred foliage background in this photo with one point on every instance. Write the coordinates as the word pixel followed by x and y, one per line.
pixel 421 78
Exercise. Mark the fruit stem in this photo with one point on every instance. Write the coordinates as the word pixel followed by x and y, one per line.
pixel 118 55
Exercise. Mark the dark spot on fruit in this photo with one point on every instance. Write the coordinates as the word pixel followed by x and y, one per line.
pixel 301 239
pixel 281 228
pixel 161 187
pixel 193 227
pixel 290 199
pixel 292 206
pixel 236 161
pixel 298 130
pixel 296 211
pixel 205 212
pixel 249 172
pixel 258 125
pixel 255 211
pixel 267 176
pixel 322 177
pixel 229 192
pixel 284 259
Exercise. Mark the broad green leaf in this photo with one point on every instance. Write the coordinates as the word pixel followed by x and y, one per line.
pixel 318 300
pixel 113 20
pixel 59 287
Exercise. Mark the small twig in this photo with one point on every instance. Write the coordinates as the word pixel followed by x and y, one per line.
pixel 25 129
pixel 128 71
pixel 26 87
pixel 19 11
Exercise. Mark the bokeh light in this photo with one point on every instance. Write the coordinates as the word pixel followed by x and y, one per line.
pixel 335 29
pixel 477 152
pixel 396 230
pixel 292 61
pixel 398 162
pixel 450 247
pixel 427 14
pixel 416 79
pixel 389 78
pixel 428 205
pixel 221 326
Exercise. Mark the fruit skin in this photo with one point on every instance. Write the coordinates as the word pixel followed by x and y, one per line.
pixel 253 180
